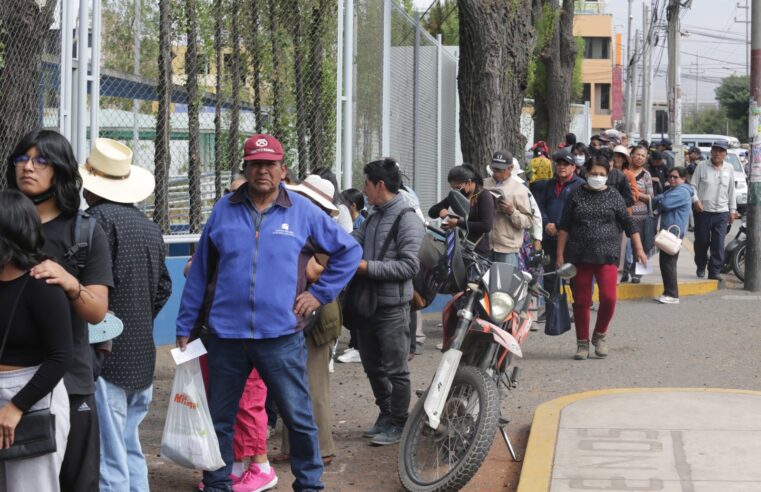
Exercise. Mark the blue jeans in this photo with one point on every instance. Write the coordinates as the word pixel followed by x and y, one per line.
pixel 509 258
pixel 120 412
pixel 281 363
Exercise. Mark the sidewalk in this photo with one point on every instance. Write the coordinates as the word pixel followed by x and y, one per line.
pixel 646 439
pixel 651 285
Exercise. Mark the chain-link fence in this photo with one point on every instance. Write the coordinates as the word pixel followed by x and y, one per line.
pixel 29 76
pixel 184 82
pixel 419 106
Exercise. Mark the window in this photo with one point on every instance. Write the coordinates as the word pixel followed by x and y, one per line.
pixel 597 48
pixel 586 95
pixel 602 98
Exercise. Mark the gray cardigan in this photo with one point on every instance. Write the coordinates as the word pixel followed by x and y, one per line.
pixel 394 272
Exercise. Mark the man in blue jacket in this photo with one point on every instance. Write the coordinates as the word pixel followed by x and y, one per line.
pixel 247 288
pixel 551 196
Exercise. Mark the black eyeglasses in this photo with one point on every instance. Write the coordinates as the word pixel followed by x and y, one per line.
pixel 38 162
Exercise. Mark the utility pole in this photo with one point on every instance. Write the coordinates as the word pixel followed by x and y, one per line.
pixel 629 106
pixel 675 84
pixel 647 76
pixel 747 35
pixel 632 121
pixel 753 255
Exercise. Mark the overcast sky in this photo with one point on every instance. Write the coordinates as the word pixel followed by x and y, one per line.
pixel 719 57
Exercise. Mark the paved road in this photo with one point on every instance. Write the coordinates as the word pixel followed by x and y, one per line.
pixel 708 341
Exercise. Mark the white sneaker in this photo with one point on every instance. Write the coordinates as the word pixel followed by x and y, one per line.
pixel 331 367
pixel 668 300
pixel 350 355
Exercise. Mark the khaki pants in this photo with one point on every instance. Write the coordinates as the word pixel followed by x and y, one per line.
pixel 318 359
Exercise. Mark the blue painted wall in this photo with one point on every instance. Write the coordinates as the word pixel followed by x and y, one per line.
pixel 163 326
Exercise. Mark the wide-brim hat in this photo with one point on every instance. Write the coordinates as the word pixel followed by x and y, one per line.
pixel 320 191
pixel 110 174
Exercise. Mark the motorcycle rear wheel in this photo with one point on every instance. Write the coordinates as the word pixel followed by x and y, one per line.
pixel 447 458
pixel 738 262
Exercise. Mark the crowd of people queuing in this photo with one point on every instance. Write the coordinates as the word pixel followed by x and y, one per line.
pixel 266 290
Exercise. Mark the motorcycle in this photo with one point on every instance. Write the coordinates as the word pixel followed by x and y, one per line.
pixel 453 424
pixel 734 253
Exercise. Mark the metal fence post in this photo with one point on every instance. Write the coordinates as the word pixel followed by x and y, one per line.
pixel 386 81
pixel 348 113
pixel 439 72
pixel 415 99
pixel 80 147
pixel 95 73
pixel 64 99
pixel 339 89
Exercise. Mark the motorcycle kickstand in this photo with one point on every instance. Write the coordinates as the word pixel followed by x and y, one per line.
pixel 502 424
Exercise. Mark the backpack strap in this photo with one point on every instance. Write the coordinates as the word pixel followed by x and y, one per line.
pixel 83 231
pixel 393 231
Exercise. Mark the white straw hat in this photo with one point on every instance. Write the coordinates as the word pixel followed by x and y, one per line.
pixel 110 174
pixel 317 189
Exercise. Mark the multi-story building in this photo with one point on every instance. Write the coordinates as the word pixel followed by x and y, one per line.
pixel 596 28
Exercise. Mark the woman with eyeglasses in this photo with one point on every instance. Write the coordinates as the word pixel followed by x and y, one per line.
pixel 468 181
pixel 675 205
pixel 34 316
pixel 43 167
pixel 589 237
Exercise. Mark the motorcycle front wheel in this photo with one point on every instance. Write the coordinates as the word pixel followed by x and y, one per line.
pixel 445 459
pixel 738 262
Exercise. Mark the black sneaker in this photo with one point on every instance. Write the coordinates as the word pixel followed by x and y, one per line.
pixel 625 277
pixel 391 435
pixel 715 276
pixel 378 428
pixel 701 272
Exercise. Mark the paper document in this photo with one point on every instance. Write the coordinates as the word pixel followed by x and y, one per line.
pixel 640 269
pixel 192 350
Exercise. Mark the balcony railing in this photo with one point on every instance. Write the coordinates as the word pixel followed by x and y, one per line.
pixel 589 7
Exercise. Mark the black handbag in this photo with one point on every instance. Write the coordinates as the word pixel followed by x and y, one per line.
pixel 35 433
pixel 557 318
pixel 649 228
pixel 361 299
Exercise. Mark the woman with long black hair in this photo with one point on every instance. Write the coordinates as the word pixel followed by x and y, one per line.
pixel 43 167
pixel 34 322
pixel 468 181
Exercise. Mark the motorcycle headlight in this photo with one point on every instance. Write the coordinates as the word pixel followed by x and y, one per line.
pixel 502 305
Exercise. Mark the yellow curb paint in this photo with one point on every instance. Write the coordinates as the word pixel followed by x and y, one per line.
pixel 536 472
pixel 651 291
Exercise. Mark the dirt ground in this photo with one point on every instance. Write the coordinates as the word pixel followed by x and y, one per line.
pixel 357 466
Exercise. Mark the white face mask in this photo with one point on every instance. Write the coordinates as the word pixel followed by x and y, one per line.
pixel 579 160
pixel 597 182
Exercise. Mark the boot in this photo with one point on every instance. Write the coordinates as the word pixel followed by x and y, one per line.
pixel 601 346
pixel 625 277
pixel 582 350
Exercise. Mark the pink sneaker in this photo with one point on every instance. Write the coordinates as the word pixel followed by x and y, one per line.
pixel 254 480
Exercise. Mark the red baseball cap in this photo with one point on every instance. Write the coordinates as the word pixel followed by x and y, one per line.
pixel 262 147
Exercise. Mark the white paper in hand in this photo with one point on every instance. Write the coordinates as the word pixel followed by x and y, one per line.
pixel 193 350
pixel 640 269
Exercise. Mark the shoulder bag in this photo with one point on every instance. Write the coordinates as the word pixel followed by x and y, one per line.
pixel 361 299
pixel 557 317
pixel 35 433
pixel 667 241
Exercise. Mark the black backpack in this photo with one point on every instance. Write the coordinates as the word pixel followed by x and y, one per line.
pixel 82 230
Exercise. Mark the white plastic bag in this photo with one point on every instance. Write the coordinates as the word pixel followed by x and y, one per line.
pixel 189 438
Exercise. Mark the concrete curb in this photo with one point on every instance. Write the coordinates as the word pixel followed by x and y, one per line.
pixel 653 290
pixel 538 462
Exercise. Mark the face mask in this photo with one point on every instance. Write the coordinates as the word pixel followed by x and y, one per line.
pixel 597 182
pixel 579 160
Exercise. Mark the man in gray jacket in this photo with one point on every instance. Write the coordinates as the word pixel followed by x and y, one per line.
pixel 384 337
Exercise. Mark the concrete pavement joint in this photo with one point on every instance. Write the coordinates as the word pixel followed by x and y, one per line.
pixel 682 466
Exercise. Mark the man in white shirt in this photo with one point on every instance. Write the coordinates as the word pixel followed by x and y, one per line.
pixel 715 206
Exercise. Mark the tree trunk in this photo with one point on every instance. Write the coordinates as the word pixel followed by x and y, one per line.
pixel 496 39
pixel 23 25
pixel 302 113
pixel 162 156
pixel 276 127
pixel 316 118
pixel 218 148
pixel 256 62
pixel 559 58
pixel 233 156
pixel 194 125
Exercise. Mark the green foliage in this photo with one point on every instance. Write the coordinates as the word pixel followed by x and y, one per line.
pixel 537 74
pixel 577 85
pixel 443 19
pixel 711 120
pixel 734 98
